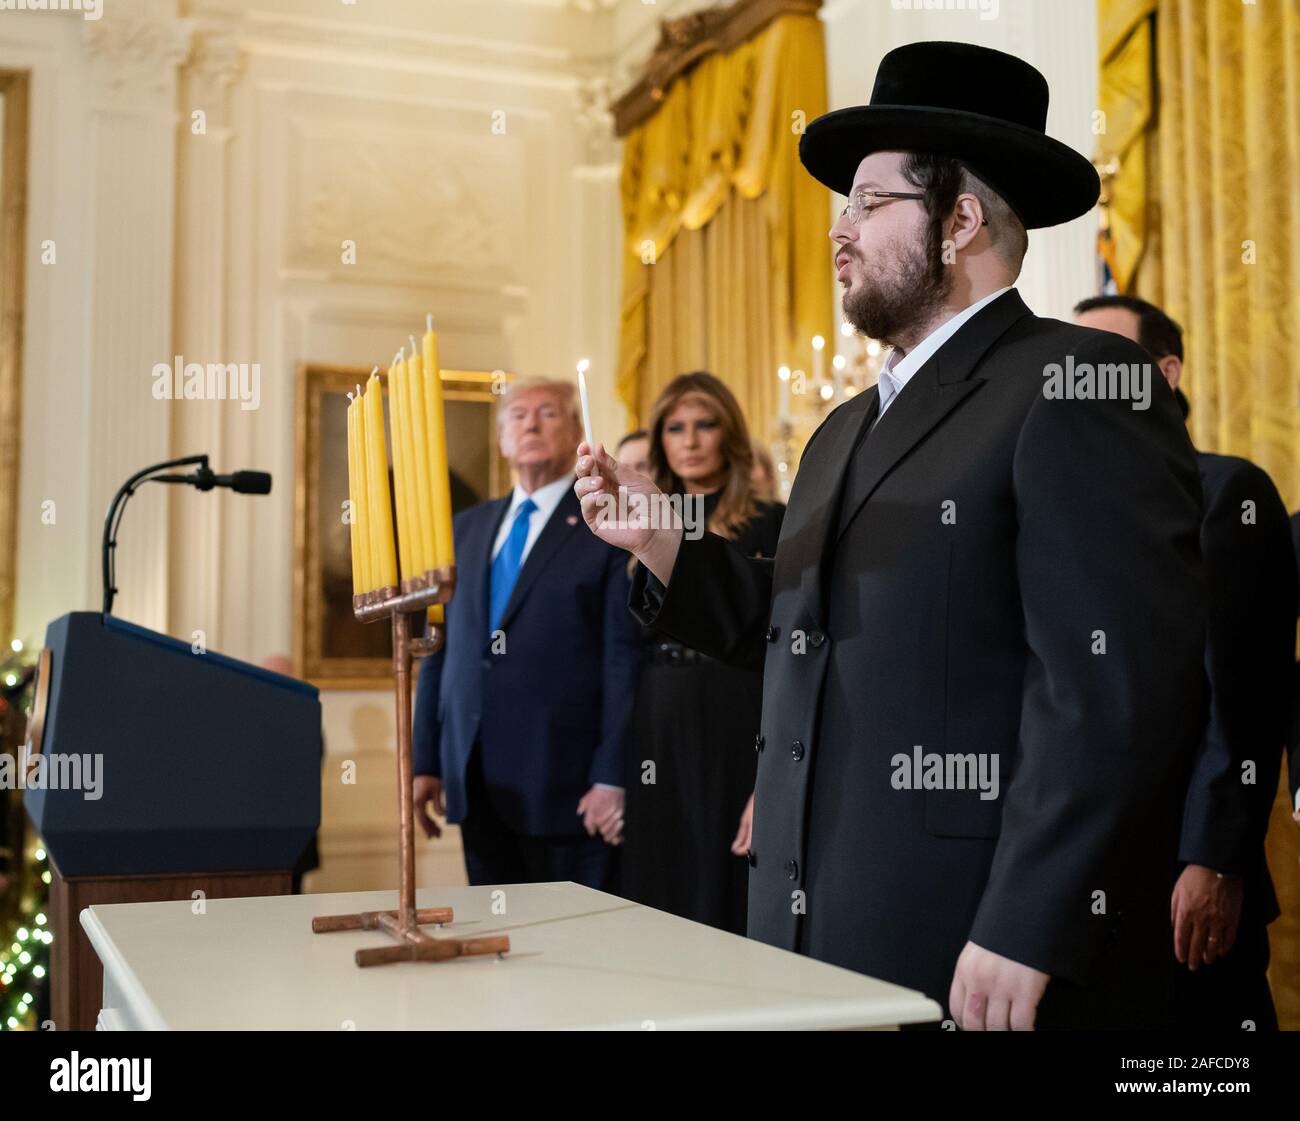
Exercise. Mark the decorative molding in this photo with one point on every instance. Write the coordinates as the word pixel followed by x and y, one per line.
pixel 409 47
pixel 415 208
pixel 596 120
pixel 138 57
pixel 685 41
pixel 216 60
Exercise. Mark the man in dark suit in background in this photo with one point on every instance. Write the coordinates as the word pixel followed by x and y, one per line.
pixel 1224 899
pixel 520 720
pixel 983 630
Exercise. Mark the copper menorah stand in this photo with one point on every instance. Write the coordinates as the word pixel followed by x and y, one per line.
pixel 403 604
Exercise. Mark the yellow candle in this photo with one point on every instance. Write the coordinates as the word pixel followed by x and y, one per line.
pixel 401 484
pixel 444 548
pixel 418 428
pixel 363 474
pixel 383 561
pixel 359 529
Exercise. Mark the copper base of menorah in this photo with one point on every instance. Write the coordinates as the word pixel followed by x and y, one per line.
pixel 413 943
pixel 401 605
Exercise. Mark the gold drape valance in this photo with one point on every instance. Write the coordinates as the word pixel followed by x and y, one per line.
pixel 727 134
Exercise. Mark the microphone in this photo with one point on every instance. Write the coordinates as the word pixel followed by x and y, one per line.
pixel 241 482
pixel 203 478
pixel 247 482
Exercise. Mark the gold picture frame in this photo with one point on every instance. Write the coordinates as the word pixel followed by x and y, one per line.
pixel 14 94
pixel 330 648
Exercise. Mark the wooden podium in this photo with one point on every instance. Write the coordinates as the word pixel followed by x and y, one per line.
pixel 197 773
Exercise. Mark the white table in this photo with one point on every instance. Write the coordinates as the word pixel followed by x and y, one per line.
pixel 580 959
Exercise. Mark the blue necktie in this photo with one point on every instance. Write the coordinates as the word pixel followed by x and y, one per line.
pixel 505 567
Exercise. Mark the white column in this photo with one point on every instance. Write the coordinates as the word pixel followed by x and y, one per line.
pixel 130 188
pixel 202 329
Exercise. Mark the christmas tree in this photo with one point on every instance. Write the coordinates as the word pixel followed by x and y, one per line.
pixel 24 871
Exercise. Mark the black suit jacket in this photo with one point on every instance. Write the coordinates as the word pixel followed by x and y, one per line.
pixel 549 701
pixel 953 584
pixel 1251 583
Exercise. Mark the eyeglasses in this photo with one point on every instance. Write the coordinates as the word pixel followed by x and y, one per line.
pixel 857 206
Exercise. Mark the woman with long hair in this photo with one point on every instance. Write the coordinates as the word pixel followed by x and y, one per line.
pixel 691 768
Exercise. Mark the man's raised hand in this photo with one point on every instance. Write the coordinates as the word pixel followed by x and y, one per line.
pixel 638 520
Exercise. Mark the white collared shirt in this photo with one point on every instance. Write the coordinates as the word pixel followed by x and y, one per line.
pixel 897 372
pixel 546 498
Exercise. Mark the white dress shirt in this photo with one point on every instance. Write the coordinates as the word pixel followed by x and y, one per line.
pixel 547 498
pixel 898 371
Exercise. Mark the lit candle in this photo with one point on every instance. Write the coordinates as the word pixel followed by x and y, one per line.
pixel 819 362
pixel 383 562
pixel 583 367
pixel 435 419
pixel 420 438
pixel 838 363
pixel 783 380
pixel 359 529
pixel 407 534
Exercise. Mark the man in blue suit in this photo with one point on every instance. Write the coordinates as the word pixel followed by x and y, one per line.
pixel 521 719
pixel 1224 899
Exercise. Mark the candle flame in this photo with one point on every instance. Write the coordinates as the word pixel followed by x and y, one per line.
pixel 428 322
pixel 584 365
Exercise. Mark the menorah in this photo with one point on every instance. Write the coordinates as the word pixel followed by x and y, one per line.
pixel 428 579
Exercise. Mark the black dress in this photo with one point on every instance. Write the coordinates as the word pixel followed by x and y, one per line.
pixel 690 768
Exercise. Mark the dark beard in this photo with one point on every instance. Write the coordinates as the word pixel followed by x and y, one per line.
pixel 909 297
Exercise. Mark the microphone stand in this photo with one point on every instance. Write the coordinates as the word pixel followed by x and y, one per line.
pixel 113 519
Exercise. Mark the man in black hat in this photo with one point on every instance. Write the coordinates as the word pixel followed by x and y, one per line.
pixel 982 632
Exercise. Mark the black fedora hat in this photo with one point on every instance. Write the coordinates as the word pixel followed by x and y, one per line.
pixel 977 105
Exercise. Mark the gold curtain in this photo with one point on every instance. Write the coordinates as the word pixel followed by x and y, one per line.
pixel 1202 104
pixel 726 262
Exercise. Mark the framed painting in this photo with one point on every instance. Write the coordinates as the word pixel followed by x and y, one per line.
pixel 330 648
pixel 14 86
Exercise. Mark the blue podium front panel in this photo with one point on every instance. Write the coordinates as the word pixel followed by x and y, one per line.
pixel 158 759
